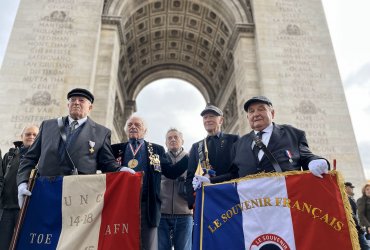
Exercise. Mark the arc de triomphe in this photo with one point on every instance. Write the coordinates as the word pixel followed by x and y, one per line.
pixel 229 49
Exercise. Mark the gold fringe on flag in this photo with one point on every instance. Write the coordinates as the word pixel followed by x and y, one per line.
pixel 333 173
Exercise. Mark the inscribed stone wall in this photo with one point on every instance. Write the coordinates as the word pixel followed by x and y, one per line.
pixel 298 71
pixel 51 50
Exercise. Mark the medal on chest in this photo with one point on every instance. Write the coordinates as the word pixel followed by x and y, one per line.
pixel 134 162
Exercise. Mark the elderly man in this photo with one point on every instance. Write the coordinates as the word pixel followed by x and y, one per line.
pixel 140 155
pixel 74 144
pixel 213 154
pixel 286 147
pixel 8 186
pixel 176 217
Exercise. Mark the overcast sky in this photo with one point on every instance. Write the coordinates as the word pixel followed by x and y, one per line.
pixel 348 24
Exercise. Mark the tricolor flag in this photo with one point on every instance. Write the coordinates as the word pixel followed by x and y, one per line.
pixel 287 211
pixel 89 212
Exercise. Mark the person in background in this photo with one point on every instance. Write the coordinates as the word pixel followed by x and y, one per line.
pixel 8 186
pixel 363 207
pixel 361 232
pixel 175 227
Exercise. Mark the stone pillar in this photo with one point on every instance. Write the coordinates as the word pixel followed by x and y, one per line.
pixel 298 72
pixel 106 78
pixel 51 50
pixel 246 77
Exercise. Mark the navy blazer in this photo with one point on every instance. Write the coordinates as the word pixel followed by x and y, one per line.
pixel 170 170
pixel 44 151
pixel 223 168
pixel 283 138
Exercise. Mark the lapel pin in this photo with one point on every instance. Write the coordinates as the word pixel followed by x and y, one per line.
pixel 91 144
pixel 289 154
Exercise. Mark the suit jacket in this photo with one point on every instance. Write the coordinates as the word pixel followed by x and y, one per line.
pixel 44 151
pixel 223 168
pixel 153 199
pixel 283 137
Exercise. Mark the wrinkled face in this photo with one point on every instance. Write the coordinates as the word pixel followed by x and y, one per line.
pixel 367 191
pixel 349 190
pixel 212 123
pixel 79 107
pixel 29 135
pixel 260 115
pixel 135 128
pixel 174 141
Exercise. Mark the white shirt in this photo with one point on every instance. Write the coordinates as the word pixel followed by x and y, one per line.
pixel 265 138
pixel 80 121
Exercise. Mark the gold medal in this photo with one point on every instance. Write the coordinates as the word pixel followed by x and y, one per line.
pixel 132 163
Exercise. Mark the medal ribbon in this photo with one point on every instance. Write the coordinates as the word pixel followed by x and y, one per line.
pixel 134 152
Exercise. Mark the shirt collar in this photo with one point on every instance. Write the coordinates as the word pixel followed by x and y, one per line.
pixel 175 154
pixel 139 140
pixel 268 129
pixel 218 135
pixel 80 121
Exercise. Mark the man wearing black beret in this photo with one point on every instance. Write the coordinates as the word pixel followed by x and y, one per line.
pixel 287 147
pixel 73 144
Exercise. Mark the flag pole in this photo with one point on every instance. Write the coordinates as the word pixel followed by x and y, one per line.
pixel 22 212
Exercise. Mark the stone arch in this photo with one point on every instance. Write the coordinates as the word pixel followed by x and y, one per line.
pixel 193 40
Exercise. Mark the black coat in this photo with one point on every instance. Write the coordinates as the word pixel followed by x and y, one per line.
pixel 8 175
pixel 283 138
pixel 222 164
pixel 153 199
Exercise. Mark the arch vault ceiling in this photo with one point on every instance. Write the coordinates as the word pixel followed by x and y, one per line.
pixel 177 34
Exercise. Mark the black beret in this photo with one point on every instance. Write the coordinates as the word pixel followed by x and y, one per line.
pixel 349 184
pixel 254 99
pixel 81 92
pixel 212 109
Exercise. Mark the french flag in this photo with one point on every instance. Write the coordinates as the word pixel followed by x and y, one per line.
pixel 89 212
pixel 275 211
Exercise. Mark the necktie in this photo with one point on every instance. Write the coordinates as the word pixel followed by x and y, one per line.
pixel 256 149
pixel 134 144
pixel 73 125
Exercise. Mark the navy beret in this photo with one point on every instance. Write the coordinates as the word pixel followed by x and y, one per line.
pixel 81 92
pixel 349 184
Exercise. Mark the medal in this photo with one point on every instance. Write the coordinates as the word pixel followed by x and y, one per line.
pixel 289 154
pixel 132 163
pixel 91 144
pixel 154 159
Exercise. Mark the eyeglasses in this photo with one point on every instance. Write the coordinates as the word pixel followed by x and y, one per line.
pixel 77 99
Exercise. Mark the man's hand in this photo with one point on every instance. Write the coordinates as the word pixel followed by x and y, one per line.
pixel 22 191
pixel 198 180
pixel 318 167
pixel 126 169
